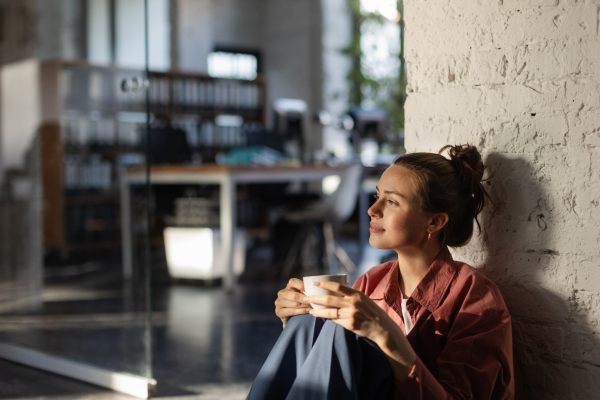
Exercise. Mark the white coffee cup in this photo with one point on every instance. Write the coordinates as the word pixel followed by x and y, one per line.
pixel 311 290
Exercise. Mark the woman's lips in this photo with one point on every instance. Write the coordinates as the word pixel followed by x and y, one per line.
pixel 375 229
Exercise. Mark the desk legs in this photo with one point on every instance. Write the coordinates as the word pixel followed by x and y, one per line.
pixel 126 240
pixel 228 221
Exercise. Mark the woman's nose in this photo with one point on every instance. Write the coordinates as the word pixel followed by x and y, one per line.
pixel 373 211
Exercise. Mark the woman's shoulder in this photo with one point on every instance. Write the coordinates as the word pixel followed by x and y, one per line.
pixel 473 286
pixel 473 277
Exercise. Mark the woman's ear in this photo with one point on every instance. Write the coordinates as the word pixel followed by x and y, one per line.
pixel 437 222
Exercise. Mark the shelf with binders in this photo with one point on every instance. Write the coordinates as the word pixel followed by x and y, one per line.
pixel 101 128
pixel 87 88
pixel 172 94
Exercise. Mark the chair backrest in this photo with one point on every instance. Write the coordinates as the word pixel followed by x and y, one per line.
pixel 343 201
pixel 169 146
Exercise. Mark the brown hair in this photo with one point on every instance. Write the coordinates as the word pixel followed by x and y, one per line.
pixel 453 186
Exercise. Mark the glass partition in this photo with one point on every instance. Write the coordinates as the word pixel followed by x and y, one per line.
pixel 70 131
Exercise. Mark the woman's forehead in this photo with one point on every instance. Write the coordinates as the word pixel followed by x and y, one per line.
pixel 397 172
pixel 397 177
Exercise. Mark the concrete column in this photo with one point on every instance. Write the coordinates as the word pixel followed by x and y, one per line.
pixel 521 81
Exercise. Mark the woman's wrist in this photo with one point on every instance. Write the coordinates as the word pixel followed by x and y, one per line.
pixel 398 351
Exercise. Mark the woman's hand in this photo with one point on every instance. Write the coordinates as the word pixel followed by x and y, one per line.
pixel 290 301
pixel 356 312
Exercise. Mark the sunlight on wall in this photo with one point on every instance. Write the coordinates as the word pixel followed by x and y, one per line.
pixel 130 50
pixel 387 8
pixel 380 44
pixel 98 34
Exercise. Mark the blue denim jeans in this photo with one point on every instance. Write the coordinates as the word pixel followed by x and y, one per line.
pixel 316 359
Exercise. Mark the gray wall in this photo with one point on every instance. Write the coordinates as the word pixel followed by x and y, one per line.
pixel 20 187
pixel 61 29
pixel 287 32
pixel 18 30
pixel 18 42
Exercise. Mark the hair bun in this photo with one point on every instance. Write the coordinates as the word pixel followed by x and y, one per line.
pixel 467 162
pixel 469 167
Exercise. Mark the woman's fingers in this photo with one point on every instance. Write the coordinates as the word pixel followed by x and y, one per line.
pixel 290 301
pixel 295 284
pixel 286 313
pixel 292 295
pixel 330 313
pixel 284 303
pixel 297 311
pixel 327 301
pixel 336 288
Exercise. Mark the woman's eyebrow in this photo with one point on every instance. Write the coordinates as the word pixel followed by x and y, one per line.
pixel 394 192
pixel 391 192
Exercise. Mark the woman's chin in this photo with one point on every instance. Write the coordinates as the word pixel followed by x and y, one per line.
pixel 375 243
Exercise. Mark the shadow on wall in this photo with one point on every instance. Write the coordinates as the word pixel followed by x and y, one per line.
pixel 556 350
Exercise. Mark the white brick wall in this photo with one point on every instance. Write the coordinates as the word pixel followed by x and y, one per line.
pixel 521 80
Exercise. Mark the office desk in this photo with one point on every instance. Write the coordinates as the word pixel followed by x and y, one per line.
pixel 227 178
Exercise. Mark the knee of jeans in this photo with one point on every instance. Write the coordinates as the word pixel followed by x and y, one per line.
pixel 306 324
pixel 300 321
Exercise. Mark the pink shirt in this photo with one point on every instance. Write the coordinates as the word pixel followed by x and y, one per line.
pixel 461 331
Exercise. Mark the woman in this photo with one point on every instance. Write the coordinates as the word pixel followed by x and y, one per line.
pixel 441 325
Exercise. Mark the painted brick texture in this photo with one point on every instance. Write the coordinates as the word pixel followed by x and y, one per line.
pixel 520 79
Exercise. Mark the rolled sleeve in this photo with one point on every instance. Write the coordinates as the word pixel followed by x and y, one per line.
pixel 413 385
pixel 472 366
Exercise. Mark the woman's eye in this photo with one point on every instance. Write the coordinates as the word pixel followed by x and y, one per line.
pixel 390 202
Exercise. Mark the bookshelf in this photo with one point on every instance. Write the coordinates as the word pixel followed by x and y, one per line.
pixel 92 128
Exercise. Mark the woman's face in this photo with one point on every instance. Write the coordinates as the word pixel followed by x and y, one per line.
pixel 397 221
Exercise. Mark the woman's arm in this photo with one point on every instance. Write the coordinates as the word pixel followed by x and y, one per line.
pixel 476 362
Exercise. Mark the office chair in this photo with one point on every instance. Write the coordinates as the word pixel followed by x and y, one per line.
pixel 169 145
pixel 330 212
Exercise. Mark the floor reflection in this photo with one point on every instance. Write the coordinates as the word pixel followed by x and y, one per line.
pixel 206 341
pixel 214 337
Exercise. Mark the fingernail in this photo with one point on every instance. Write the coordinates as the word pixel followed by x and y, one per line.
pixel 305 299
pixel 317 284
pixel 311 311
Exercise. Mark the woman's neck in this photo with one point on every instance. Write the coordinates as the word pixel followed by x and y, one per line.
pixel 413 267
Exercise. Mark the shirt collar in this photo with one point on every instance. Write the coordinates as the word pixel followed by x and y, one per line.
pixel 430 291
pixel 388 285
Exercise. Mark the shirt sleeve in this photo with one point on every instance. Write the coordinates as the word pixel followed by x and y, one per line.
pixel 476 362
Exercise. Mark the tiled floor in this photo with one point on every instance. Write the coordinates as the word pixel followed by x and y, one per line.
pixel 22 383
pixel 207 343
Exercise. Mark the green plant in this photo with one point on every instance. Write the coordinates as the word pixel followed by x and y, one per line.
pixel 363 87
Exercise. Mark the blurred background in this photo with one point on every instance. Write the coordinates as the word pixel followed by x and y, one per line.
pixel 167 165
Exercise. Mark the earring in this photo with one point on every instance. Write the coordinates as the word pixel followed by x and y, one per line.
pixel 429 236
